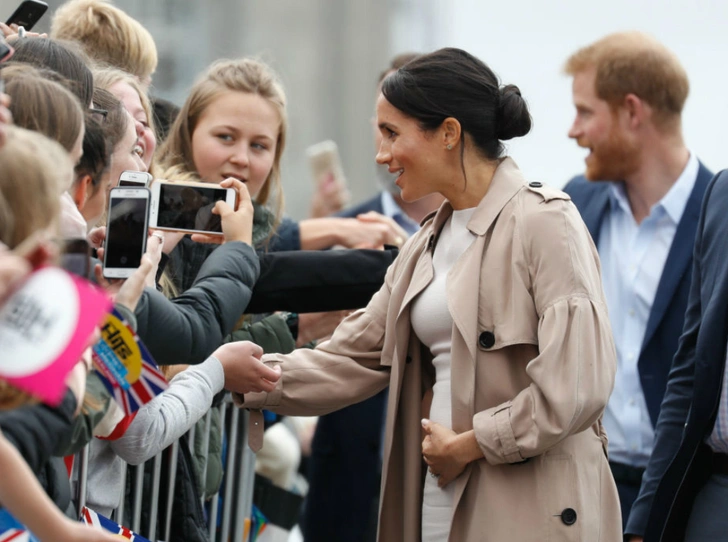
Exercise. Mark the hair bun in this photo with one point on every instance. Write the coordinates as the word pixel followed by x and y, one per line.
pixel 514 120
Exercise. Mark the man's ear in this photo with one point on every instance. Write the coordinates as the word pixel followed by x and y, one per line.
pixel 636 109
pixel 81 190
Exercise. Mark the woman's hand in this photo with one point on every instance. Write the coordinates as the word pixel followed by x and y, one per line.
pixel 13 32
pixel 447 453
pixel 237 225
pixel 244 372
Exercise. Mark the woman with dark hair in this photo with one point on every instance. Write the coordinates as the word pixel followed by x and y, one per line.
pixel 491 331
pixel 63 57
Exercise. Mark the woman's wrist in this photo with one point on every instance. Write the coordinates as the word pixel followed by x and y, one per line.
pixel 465 447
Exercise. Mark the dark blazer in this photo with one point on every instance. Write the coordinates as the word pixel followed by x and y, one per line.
pixel 680 461
pixel 666 318
pixel 373 204
pixel 344 468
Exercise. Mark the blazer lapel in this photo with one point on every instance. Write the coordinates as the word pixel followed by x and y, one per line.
pixel 593 211
pixel 679 256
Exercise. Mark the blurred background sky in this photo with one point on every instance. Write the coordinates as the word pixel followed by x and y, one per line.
pixel 329 54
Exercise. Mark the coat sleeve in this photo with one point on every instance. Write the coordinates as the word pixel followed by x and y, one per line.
pixel 36 430
pixel 342 371
pixel 678 395
pixel 319 280
pixel 172 413
pixel 573 374
pixel 271 333
pixel 286 237
pixel 188 328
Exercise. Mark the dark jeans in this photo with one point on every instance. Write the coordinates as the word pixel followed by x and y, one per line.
pixel 708 520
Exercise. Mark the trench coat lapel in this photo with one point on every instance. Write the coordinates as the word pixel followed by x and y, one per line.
pixel 463 281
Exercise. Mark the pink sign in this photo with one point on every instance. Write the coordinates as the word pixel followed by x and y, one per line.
pixel 45 327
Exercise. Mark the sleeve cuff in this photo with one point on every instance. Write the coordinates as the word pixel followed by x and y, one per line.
pixel 212 368
pixel 495 436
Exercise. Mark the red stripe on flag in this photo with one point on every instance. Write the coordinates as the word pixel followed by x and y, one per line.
pixel 12 536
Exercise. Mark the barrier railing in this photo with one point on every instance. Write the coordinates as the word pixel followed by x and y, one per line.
pixel 236 492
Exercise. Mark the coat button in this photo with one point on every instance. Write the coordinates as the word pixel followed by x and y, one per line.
pixel 408 359
pixel 535 184
pixel 568 516
pixel 486 339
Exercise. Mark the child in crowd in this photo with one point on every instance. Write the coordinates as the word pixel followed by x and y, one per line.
pixel 29 189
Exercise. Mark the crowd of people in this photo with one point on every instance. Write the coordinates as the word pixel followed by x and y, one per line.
pixel 489 358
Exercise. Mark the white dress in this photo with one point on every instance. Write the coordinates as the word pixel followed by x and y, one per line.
pixel 432 323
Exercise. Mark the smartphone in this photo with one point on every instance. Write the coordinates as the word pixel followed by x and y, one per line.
pixel 28 13
pixel 187 207
pixel 135 179
pixel 126 231
pixel 325 163
pixel 76 257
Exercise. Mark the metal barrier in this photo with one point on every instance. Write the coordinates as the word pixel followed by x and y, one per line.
pixel 236 493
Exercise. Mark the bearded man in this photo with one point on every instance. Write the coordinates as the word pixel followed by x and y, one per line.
pixel 640 198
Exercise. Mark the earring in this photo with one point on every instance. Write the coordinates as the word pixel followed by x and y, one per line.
pixel 449 147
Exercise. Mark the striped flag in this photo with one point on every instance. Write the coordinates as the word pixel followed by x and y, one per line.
pixel 89 517
pixel 125 365
pixel 12 530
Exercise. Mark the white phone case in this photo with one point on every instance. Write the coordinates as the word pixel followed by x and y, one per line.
pixel 230 199
pixel 122 194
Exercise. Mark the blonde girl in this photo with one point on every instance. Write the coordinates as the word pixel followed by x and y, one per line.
pixel 127 89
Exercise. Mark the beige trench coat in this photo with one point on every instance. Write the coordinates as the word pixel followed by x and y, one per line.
pixel 533 365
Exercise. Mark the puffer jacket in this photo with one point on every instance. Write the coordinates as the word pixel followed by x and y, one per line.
pixel 188 328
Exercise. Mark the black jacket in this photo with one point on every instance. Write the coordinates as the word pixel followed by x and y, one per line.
pixel 319 280
pixel 36 431
pixel 188 328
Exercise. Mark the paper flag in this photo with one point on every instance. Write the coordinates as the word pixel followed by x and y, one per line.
pixel 125 365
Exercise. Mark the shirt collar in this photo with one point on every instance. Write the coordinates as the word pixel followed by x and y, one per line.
pixel 674 202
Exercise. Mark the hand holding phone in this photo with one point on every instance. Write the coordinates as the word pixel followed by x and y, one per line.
pixel 331 194
pixel 27 14
pixel 237 221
